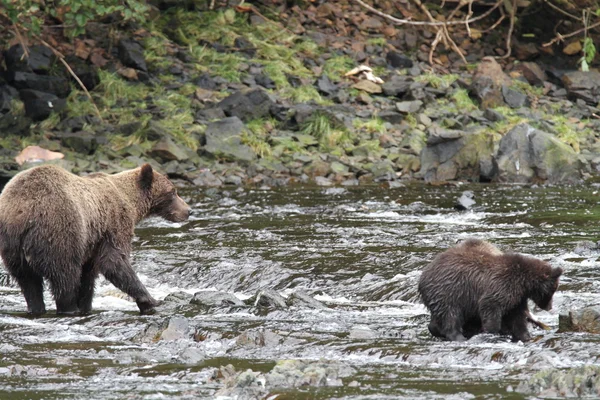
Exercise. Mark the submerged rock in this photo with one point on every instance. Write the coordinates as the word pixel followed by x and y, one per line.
pixel 286 374
pixel 465 201
pixel 267 299
pixel 574 382
pixel 213 298
pixel 585 320
pixel 304 300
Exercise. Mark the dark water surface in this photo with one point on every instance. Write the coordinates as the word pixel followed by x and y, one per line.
pixel 358 250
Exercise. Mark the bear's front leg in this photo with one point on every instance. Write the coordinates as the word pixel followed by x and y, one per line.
pixel 515 323
pixel 490 314
pixel 115 267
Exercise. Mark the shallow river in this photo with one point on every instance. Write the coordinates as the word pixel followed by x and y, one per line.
pixel 359 251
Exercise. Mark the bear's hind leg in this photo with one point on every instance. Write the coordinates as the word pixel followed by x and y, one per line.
pixel 86 289
pixel 32 286
pixel 64 285
pixel 30 282
pixel 491 315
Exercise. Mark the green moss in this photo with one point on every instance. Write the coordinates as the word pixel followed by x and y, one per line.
pixel 462 100
pixel 378 41
pixel 337 66
pixel 526 88
pixel 437 81
pixel 50 123
pixel 411 120
pixel 225 65
pixel 373 125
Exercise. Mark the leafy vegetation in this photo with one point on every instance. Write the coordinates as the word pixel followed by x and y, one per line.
pixel 29 15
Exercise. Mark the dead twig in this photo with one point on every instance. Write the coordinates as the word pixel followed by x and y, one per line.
pixel 21 42
pixel 560 10
pixel 61 57
pixel 559 37
pixel 513 11
pixel 398 21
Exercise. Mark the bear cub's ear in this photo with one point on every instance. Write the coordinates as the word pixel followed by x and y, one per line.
pixel 556 272
pixel 146 176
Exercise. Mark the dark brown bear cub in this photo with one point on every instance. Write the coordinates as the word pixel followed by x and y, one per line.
pixel 474 287
pixel 68 229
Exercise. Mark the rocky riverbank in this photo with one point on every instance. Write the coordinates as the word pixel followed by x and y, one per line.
pixel 234 97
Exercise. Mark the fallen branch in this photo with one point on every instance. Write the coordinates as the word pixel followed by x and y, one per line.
pixel 398 21
pixel 513 11
pixel 560 37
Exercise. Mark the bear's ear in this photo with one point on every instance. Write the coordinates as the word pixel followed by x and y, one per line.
pixel 146 176
pixel 556 272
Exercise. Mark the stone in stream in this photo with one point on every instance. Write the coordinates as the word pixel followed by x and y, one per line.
pixel 267 299
pixel 577 382
pixel 584 320
pixel 465 201
pixel 304 300
pixel 213 298
pixel 285 375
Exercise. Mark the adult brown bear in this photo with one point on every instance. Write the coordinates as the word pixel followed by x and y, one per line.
pixel 474 287
pixel 68 229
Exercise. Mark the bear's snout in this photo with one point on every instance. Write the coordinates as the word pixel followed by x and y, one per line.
pixel 181 211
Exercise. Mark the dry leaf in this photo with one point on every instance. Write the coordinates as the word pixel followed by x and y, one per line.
pixel 128 73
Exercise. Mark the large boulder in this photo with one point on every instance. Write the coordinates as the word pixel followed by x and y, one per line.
pixel 39 60
pixel 453 154
pixel 39 105
pixel 560 383
pixel 224 139
pixel 526 154
pixel 583 85
pixel 247 105
pixel 56 85
pixel 585 320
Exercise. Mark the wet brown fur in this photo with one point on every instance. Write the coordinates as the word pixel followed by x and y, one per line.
pixel 475 287
pixel 67 229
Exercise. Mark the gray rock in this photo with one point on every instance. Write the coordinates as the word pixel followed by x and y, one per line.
pixel 224 139
pixel 166 150
pixel 534 74
pixel 208 179
pixel 322 181
pixel 362 332
pixel 396 87
pixel 585 320
pixel 267 299
pixel 247 105
pixel 131 54
pixel 56 85
pixel 83 142
pixel 493 115
pixel 397 60
pixel 304 300
pixel 560 383
pixel 325 85
pixel 39 105
pixel 7 95
pixel 383 170
pixel 213 298
pixel 466 201
pixel 177 328
pixel 40 59
pixel 391 116
pixel 409 107
pixel 258 338
pixel 286 374
pixel 514 98
pixel 583 85
pixel 155 131
pixel 526 154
